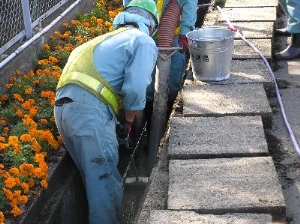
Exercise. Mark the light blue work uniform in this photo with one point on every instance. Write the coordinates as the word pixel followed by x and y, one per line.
pixel 178 60
pixel 88 125
pixel 292 10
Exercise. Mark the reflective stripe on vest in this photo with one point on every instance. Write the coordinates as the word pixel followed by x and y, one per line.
pixel 96 87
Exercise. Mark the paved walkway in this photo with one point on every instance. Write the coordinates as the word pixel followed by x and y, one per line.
pixel 216 166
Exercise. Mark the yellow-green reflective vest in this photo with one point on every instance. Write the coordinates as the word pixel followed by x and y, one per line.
pixel 80 70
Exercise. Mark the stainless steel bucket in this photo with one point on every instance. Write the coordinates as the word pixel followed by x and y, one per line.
pixel 211 50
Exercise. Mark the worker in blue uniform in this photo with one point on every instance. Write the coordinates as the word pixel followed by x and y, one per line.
pixel 101 76
pixel 292 10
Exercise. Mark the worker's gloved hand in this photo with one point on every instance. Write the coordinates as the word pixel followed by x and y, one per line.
pixel 123 129
pixel 220 3
pixel 183 42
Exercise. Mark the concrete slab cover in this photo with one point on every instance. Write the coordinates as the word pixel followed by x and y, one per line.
pixel 243 51
pixel 225 185
pixel 250 30
pixel 252 3
pixel 242 71
pixel 262 14
pixel 220 100
pixel 179 217
pixel 207 137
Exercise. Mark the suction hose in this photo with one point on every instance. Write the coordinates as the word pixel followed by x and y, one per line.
pixel 169 21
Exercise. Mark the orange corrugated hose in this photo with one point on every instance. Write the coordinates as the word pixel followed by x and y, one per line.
pixel 168 23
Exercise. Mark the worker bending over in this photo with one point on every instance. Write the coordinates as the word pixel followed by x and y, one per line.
pixel 101 76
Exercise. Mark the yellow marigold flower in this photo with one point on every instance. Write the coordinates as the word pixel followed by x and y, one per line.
pixel 25 187
pixel 46 47
pixel 15 211
pixel 25 138
pixel 28 91
pixel 2 218
pixel 14 171
pixel 44 184
pixel 23 199
pixel 10 182
pixel 4 97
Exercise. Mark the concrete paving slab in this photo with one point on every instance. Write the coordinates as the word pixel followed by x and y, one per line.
pixel 243 51
pixel 225 185
pixel 259 14
pixel 221 100
pixel 242 71
pixel 252 3
pixel 179 217
pixel 211 137
pixel 250 30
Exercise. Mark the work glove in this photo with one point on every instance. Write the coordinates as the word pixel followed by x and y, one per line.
pixel 220 3
pixel 183 42
pixel 123 129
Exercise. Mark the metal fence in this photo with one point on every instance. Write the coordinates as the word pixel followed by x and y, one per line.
pixel 18 18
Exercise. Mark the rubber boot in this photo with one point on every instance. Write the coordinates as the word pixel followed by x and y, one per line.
pixel 282 32
pixel 292 51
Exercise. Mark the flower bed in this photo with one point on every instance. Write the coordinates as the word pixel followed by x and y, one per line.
pixel 29 140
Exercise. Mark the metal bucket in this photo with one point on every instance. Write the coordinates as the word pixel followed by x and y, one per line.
pixel 211 50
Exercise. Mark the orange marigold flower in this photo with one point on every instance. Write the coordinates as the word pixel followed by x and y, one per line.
pixel 53 59
pixel 107 24
pixel 4 97
pixel 35 146
pixel 5 130
pixel 8 86
pixel 74 22
pixel 10 182
pixel 25 138
pixel 31 182
pixel 25 187
pixel 23 199
pixel 15 211
pixel 12 79
pixel 26 169
pixel 1 166
pixel 39 157
pixel 18 72
pixel 28 91
pixel 18 97
pixel 2 218
pixel 65 25
pixel 44 184
pixel 8 194
pixel 47 47
pixel 14 171
pixel 13 140
pixel 2 121
pixel 44 121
